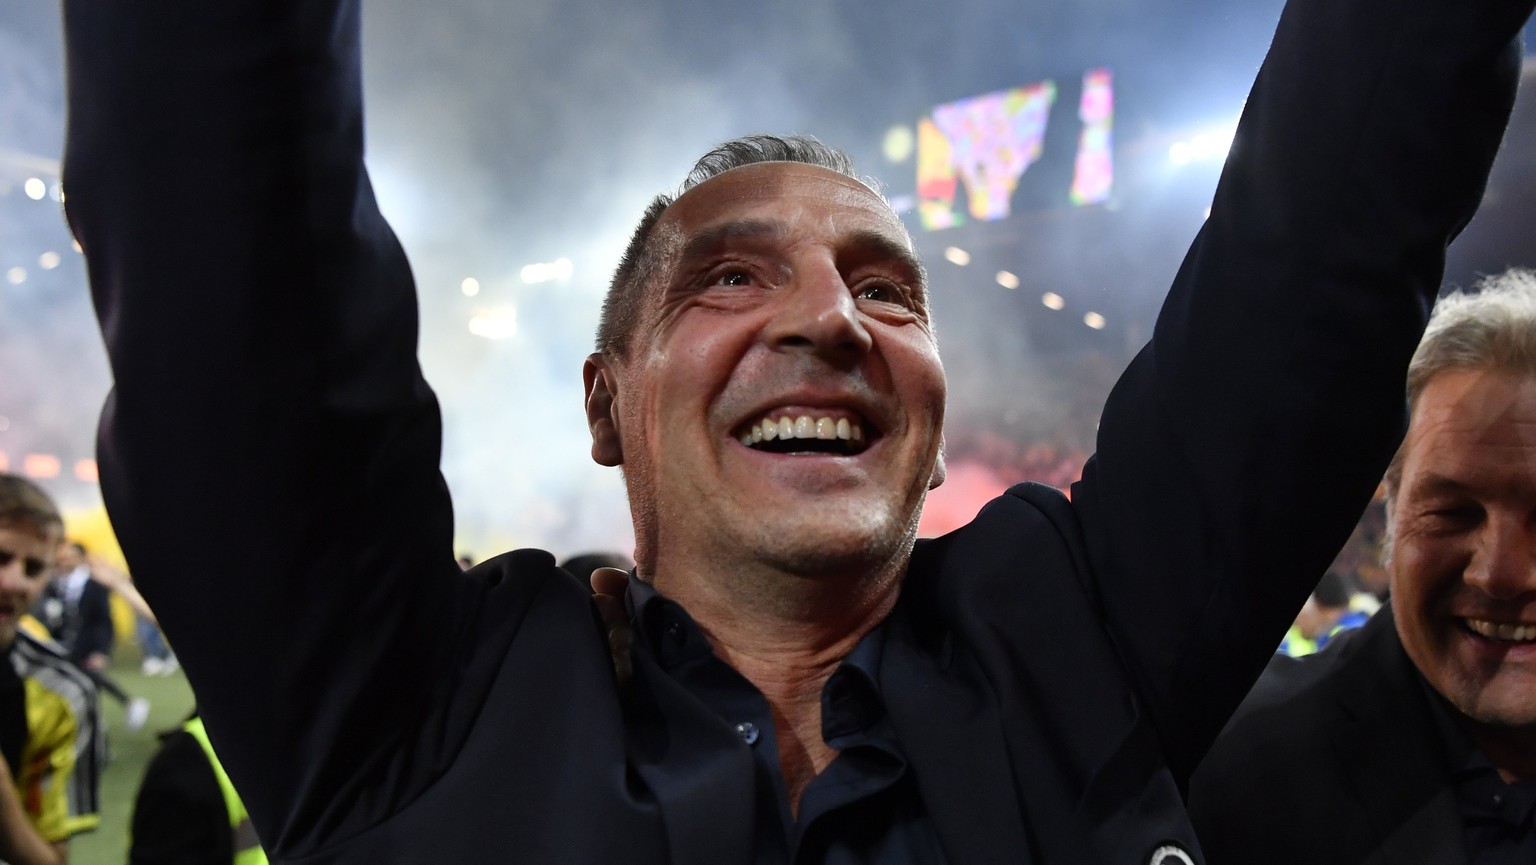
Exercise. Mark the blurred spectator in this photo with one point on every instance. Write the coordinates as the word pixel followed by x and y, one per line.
pixel 1326 612
pixel 50 735
pixel 76 608
pixel 78 611
pixel 187 812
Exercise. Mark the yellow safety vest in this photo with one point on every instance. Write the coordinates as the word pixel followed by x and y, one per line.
pixel 247 846
pixel 1296 645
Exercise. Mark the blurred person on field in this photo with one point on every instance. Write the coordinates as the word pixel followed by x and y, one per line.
pixel 187 811
pixel 50 736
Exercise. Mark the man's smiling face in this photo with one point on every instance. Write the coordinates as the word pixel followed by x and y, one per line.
pixel 782 397
pixel 1463 560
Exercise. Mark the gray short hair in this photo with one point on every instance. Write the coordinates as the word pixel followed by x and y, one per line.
pixel 1491 327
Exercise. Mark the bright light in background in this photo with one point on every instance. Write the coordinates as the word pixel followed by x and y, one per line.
pixel 1094 320
pixel 534 274
pixel 898 143
pixel 76 245
pixel 85 470
pixel 35 188
pixel 48 260
pixel 1007 279
pixel 957 256
pixel 1213 143
pixel 16 275
pixel 40 466
pixel 494 324
pixel 1052 300
pixel 470 286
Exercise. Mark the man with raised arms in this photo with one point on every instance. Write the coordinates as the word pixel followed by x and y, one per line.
pixel 803 681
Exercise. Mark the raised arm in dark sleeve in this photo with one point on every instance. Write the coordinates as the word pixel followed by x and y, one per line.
pixel 1237 451
pixel 268 414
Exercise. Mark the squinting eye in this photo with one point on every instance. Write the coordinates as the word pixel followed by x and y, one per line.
pixel 733 277
pixel 881 292
pixel 1454 518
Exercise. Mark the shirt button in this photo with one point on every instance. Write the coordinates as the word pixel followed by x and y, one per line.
pixel 747 731
pixel 675 633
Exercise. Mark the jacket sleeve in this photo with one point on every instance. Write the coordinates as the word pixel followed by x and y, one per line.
pixel 1236 452
pixel 269 451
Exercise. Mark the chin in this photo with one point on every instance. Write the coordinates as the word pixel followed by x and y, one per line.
pixel 1498 706
pixel 871 539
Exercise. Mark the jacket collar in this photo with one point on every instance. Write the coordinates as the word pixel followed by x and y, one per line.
pixel 1390 749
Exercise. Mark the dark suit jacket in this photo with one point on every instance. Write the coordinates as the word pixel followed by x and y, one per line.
pixel 1332 760
pixel 1056 669
pixel 86 626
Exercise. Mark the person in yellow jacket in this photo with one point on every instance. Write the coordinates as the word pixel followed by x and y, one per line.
pixel 51 742
pixel 187 812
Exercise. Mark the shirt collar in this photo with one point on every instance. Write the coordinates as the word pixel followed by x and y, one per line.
pixel 667 630
pixel 75 580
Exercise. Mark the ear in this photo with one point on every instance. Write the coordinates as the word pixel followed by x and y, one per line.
pixel 937 477
pixel 602 388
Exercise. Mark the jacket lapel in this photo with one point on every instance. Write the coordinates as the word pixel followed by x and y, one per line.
pixel 1390 750
pixel 951 734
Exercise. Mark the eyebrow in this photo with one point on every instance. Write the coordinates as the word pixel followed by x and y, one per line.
pixel 712 240
pixel 1436 484
pixel 880 246
pixel 865 242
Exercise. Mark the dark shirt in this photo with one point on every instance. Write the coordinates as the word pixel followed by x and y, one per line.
pixel 863 808
pixel 1498 818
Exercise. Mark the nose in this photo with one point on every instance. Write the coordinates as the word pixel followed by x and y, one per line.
pixel 1504 559
pixel 818 315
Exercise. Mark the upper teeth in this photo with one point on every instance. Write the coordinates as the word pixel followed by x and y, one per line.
pixel 803 427
pixel 1496 631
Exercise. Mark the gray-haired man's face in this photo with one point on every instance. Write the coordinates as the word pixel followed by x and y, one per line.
pixel 1463 558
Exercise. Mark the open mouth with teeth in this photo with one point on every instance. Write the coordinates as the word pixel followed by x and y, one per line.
pixel 1502 632
pixel 806 434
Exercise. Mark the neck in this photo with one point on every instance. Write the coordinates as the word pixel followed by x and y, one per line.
pixel 1511 750
pixel 787 634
